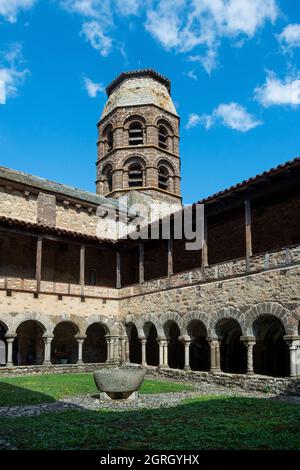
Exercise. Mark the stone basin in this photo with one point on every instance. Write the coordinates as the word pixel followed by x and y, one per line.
pixel 119 382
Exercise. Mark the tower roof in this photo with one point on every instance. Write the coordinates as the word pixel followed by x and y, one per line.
pixel 138 73
pixel 139 87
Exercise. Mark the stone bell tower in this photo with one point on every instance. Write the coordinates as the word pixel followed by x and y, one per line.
pixel 138 142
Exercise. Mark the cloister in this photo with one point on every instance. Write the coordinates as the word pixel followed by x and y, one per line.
pixel 264 340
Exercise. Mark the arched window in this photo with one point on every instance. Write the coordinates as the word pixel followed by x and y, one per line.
pixel 162 137
pixel 135 175
pixel 110 140
pixel 163 177
pixel 136 134
pixel 108 178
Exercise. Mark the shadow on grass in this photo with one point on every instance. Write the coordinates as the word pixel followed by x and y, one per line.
pixel 11 395
pixel 219 422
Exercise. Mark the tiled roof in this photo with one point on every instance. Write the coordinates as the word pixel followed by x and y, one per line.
pixel 138 73
pixel 58 188
pixel 48 229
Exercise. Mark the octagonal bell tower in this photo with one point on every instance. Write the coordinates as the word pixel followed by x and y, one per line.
pixel 138 142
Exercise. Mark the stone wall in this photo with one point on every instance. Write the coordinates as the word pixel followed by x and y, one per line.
pixel 259 383
pixel 48 311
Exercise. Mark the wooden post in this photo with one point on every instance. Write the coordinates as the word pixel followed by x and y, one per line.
pixel 118 268
pixel 248 233
pixel 82 269
pixel 170 256
pixel 141 262
pixel 204 250
pixel 38 268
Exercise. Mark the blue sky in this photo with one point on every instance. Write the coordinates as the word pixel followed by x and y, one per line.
pixel 234 67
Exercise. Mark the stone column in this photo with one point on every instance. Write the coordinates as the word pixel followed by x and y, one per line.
pixel 187 342
pixel 47 353
pixel 163 352
pixel 108 342
pixel 123 348
pixel 143 343
pixel 9 341
pixel 166 361
pixel 293 342
pixel 249 342
pixel 80 341
pixel 215 365
pixel 127 350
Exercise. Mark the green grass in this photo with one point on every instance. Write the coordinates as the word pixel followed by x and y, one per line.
pixel 204 423
pixel 31 390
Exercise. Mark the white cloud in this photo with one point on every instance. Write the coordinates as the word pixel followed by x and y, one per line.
pixel 193 121
pixel 129 7
pixel 98 19
pixel 92 88
pixel 290 36
pixel 231 115
pixel 94 34
pixel 183 25
pixel 10 8
pixel 279 92
pixel 11 73
pixel 191 74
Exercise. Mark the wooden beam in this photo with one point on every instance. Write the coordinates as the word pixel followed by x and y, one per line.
pixel 82 269
pixel 204 251
pixel 38 266
pixel 118 270
pixel 141 262
pixel 248 231
pixel 170 257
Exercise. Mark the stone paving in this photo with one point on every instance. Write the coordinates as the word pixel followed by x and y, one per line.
pixel 150 401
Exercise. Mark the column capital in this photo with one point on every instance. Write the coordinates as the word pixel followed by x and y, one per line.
pixel 48 338
pixel 212 340
pixel 80 338
pixel 185 339
pixel 142 339
pixel 292 340
pixel 10 337
pixel 248 339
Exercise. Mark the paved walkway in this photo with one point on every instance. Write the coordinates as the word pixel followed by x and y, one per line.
pixel 150 401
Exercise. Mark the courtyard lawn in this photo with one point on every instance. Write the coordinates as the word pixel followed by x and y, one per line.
pixel 31 390
pixel 221 422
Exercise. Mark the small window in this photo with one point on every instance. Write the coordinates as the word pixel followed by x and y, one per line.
pixel 136 134
pixel 110 140
pixel 135 175
pixel 162 137
pixel 92 277
pixel 163 177
pixel 109 180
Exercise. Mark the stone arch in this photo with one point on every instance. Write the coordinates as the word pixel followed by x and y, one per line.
pixel 165 162
pixel 288 318
pixel 167 317
pixel 130 118
pixel 28 347
pixel 163 120
pixel 149 318
pixel 64 346
pixel 223 314
pixel 111 327
pixel 46 324
pixel 7 322
pixel 133 158
pixel 135 350
pixel 191 316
